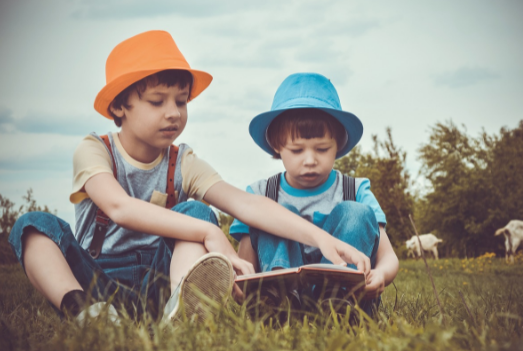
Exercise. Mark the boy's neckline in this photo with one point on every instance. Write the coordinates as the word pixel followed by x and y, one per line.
pixel 132 161
pixel 307 192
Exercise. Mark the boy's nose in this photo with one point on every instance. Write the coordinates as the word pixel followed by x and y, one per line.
pixel 309 160
pixel 172 111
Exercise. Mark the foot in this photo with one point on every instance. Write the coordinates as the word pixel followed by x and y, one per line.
pixel 212 276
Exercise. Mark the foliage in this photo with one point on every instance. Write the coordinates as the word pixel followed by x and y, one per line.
pixel 476 187
pixel 9 216
pixel 408 320
pixel 390 183
pixel 225 222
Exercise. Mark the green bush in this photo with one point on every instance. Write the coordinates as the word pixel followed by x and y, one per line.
pixel 9 216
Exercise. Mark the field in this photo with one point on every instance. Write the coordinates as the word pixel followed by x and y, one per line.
pixel 481 299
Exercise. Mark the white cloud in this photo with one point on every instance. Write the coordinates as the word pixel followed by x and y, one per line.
pixel 465 76
pixel 124 9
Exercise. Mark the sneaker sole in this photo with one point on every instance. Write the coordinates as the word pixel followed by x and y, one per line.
pixel 212 275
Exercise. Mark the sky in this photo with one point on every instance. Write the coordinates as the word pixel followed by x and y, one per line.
pixel 406 65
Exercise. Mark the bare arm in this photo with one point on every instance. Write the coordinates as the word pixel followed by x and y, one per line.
pixel 145 217
pixel 254 210
pixel 386 269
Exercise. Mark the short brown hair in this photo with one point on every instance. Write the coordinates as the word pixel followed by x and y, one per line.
pixel 168 77
pixel 304 123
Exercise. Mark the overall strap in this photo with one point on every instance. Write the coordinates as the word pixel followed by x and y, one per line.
pixel 101 220
pixel 273 185
pixel 172 194
pixel 349 188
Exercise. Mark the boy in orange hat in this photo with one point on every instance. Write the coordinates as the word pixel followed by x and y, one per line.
pixel 137 237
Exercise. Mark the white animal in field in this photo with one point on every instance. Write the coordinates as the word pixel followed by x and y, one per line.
pixel 429 242
pixel 513 233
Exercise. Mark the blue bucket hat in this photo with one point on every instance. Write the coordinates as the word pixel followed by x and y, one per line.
pixel 306 90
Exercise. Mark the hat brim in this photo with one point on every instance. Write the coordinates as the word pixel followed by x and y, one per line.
pixel 201 81
pixel 351 123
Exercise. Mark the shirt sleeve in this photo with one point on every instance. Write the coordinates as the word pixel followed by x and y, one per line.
pixel 238 229
pixel 365 196
pixel 198 176
pixel 90 158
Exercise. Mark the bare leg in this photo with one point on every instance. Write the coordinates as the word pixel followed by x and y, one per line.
pixel 184 255
pixel 47 268
pixel 246 252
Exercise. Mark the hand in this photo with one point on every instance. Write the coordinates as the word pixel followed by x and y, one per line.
pixel 241 267
pixel 216 241
pixel 375 284
pixel 340 253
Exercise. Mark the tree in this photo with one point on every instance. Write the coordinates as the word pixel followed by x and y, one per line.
pixel 390 183
pixel 225 222
pixel 476 186
pixel 9 216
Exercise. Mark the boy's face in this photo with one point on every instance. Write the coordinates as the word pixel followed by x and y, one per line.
pixel 308 162
pixel 153 120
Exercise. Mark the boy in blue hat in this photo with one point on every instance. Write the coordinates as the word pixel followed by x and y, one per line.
pixel 307 129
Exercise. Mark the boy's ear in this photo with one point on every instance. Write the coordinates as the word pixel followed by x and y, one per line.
pixel 118 112
pixel 276 154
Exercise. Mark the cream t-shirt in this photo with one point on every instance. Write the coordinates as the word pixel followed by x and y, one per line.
pixel 91 157
pixel 144 181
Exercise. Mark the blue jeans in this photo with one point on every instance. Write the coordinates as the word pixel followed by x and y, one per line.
pixel 351 222
pixel 139 280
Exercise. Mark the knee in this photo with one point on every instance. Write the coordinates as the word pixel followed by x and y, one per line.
pixel 196 209
pixel 28 223
pixel 354 210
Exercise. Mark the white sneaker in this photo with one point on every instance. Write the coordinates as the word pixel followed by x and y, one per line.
pixel 213 276
pixel 95 310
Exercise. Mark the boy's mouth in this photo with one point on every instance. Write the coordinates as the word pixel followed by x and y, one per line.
pixel 169 129
pixel 309 175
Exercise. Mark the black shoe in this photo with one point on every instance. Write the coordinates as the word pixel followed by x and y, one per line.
pixel 294 300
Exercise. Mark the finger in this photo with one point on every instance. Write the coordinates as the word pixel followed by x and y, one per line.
pixel 243 267
pixel 250 268
pixel 371 286
pixel 365 265
pixel 361 266
pixel 337 259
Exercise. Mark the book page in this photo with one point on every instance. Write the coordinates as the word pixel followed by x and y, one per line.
pixel 268 274
pixel 333 267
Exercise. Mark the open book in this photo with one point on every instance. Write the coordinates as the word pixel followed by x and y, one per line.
pixel 301 277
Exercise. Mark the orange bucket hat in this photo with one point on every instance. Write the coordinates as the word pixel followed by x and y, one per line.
pixel 139 57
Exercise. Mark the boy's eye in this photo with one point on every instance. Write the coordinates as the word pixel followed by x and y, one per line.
pixel 324 149
pixel 156 103
pixel 181 103
pixel 296 151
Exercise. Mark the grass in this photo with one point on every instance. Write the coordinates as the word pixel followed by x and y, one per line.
pixel 409 318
